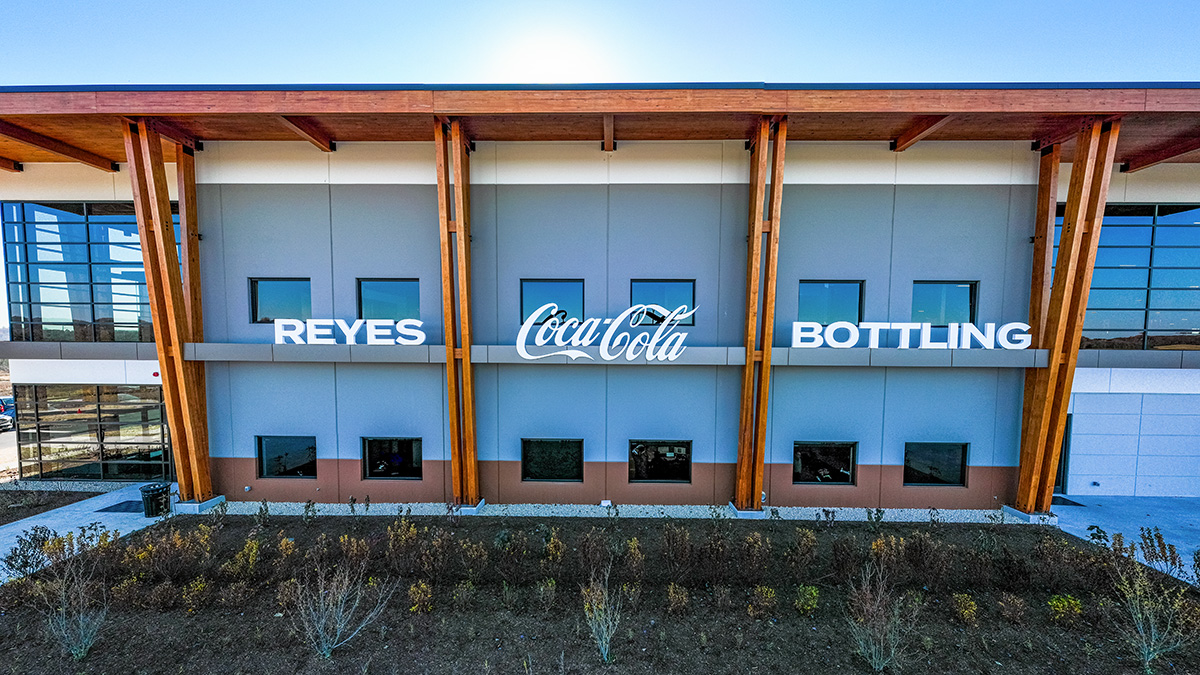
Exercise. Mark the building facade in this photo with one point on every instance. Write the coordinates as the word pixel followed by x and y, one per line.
pixel 940 234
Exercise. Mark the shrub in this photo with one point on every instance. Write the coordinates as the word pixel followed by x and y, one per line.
pixel 547 590
pixel 29 555
pixel 634 560
pixel 512 556
pixel 310 512
pixel 474 558
pixel 677 598
pixel 217 514
pixel 888 552
pixel 262 517
pixel 330 607
pixel 163 596
pixel 197 594
pixel 677 552
pixel 806 600
pixel 722 598
pixel 463 595
pixel 966 609
pixel 594 554
pixel 762 602
pixel 552 554
pixel 927 559
pixel 1159 554
pixel 602 612
pixel 713 556
pixel 285 546
pixel 435 554
pixel 1064 609
pixel 1157 616
pixel 846 558
pixel 72 614
pixel 169 554
pixel 420 595
pixel 354 549
pixel 1012 608
pixel 878 616
pixel 755 553
pixel 631 593
pixel 244 564
pixel 402 547
pixel 802 552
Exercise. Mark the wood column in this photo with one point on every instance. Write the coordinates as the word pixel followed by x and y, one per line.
pixel 762 242
pixel 1057 322
pixel 182 381
pixel 454 216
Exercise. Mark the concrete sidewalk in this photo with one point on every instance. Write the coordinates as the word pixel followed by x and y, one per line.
pixel 72 516
pixel 1177 517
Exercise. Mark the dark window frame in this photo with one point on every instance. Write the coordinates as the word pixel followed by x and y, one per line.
pixel 253 289
pixel 582 463
pixel 691 320
pixel 363 440
pixel 796 445
pixel 258 457
pixel 358 291
pixel 974 297
pixel 966 453
pixel 659 442
pixel 862 292
pixel 521 299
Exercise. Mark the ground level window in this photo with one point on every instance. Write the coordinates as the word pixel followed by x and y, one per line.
pixel 287 456
pixel 935 463
pixel 660 461
pixel 391 457
pixel 552 459
pixel 829 463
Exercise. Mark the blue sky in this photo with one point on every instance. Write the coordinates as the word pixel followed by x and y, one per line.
pixel 243 41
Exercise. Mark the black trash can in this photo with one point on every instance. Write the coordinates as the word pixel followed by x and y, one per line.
pixel 156 499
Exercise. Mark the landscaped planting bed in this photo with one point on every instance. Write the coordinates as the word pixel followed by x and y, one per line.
pixel 20 504
pixel 226 594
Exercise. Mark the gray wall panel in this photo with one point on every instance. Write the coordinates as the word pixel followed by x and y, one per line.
pixel 931 405
pixel 551 402
pixel 827 404
pixel 388 401
pixel 212 262
pixel 657 402
pixel 282 399
pixel 731 287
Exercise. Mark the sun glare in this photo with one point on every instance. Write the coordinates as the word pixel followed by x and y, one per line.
pixel 548 56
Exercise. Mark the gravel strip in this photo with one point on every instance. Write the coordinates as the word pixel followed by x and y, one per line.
pixel 64 485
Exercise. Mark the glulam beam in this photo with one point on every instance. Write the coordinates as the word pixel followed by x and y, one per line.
pixel 923 127
pixel 10 165
pixel 1162 154
pixel 310 130
pixel 53 145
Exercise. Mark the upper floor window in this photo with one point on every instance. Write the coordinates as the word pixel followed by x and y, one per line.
pixel 566 293
pixel 1145 291
pixel 75 272
pixel 944 302
pixel 272 299
pixel 393 299
pixel 670 294
pixel 826 302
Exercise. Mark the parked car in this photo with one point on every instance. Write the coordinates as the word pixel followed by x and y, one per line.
pixel 6 423
pixel 8 406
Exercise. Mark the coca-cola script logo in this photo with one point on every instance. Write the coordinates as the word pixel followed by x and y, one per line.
pixel 664 344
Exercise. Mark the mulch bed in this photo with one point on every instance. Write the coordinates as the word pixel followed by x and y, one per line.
pixel 243 627
pixel 19 504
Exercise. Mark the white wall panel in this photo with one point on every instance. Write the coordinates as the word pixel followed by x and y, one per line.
pixel 679 162
pixel 383 163
pixel 66 181
pixel 550 164
pixel 83 371
pixel 262 162
pixel 959 163
pixel 828 163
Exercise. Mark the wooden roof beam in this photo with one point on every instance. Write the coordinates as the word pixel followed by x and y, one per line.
pixel 12 165
pixel 1068 130
pixel 169 130
pixel 308 129
pixel 609 144
pixel 923 127
pixel 23 135
pixel 1145 160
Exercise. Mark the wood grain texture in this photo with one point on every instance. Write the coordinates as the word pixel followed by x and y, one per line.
pixel 10 165
pixel 55 146
pixel 310 130
pixel 1165 153
pixel 923 127
pixel 449 318
pixel 459 144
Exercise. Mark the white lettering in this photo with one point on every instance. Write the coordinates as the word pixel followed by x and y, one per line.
pixel 806 334
pixel 927 338
pixel 831 337
pixel 320 332
pixel 289 329
pixel 873 328
pixel 986 338
pixel 409 332
pixel 906 330
pixel 379 332
pixel 349 330
pixel 1021 340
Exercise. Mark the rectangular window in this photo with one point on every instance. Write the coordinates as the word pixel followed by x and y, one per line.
pixel 825 463
pixel 669 294
pixel 287 456
pixel 660 461
pixel 272 299
pixel 566 293
pixel 935 463
pixel 392 299
pixel 944 302
pixel 828 301
pixel 75 272
pixel 552 459
pixel 391 458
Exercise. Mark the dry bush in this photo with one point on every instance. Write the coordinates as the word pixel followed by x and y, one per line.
pixel 473 556
pixel 722 597
pixel 1013 571
pixel 331 606
pixel 169 554
pixel 74 607
pixel 966 609
pixel 713 557
pixel 1161 555
pixel 676 552
pixel 846 558
pixel 403 548
pixel 879 619
pixel 928 560
pixel 547 591
pixel 512 556
pixel 1158 617
pixel 553 551
pixel 594 553
pixel 633 561
pixel 163 596
pixel 802 552
pixel 463 596
pixel 1012 608
pixel 677 598
pixel 754 554
pixel 434 554
pixel 631 594
pixel 355 550
pixel 602 613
